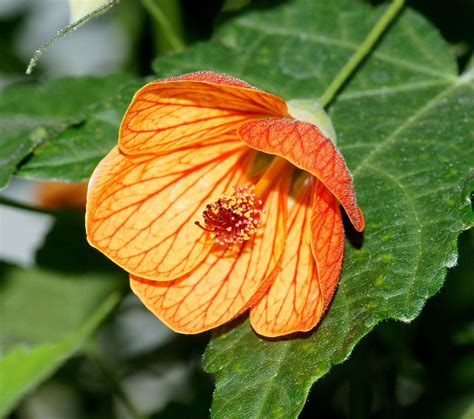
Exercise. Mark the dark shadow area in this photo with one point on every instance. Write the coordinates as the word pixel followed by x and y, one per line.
pixel 252 5
pixel 3 280
pixel 65 247
pixel 10 61
pixel 355 237
pixel 200 17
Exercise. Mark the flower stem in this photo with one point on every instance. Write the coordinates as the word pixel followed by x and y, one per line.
pixel 69 28
pixel 160 17
pixel 361 52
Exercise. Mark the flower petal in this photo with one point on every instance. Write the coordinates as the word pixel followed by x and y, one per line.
pixel 226 282
pixel 327 240
pixel 294 302
pixel 141 210
pixel 304 145
pixel 175 113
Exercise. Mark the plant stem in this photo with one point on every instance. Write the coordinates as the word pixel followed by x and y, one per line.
pixel 18 205
pixel 361 52
pixel 94 354
pixel 74 25
pixel 174 40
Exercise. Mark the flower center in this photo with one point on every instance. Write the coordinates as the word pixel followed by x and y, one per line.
pixel 233 218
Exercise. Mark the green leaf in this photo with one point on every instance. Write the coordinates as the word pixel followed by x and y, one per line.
pixel 404 124
pixel 70 123
pixel 46 318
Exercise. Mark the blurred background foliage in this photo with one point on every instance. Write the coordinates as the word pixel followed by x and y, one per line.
pixel 135 367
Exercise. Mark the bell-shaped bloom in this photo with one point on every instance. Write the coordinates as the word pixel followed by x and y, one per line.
pixel 192 205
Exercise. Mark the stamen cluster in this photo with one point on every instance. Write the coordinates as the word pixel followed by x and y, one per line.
pixel 234 218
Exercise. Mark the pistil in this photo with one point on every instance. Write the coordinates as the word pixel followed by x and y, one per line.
pixel 236 216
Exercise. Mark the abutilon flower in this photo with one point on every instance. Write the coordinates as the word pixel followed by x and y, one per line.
pixel 184 205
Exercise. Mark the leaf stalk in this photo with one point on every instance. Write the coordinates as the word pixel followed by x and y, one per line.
pixel 362 51
pixel 160 17
pixel 69 28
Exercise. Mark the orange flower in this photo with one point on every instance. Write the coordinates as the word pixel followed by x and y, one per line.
pixel 182 205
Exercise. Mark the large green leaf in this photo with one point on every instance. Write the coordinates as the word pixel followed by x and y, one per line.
pixel 69 123
pixel 45 318
pixel 405 126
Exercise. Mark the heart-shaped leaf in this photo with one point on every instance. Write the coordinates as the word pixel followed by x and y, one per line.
pixel 404 123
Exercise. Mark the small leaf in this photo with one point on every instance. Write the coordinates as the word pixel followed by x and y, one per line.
pixel 35 113
pixel 46 318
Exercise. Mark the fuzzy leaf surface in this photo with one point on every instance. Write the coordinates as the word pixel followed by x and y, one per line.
pixel 404 124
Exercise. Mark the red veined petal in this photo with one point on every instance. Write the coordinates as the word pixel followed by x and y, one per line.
pixel 293 302
pixel 227 281
pixel 175 113
pixel 141 211
pixel 304 145
pixel 327 240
